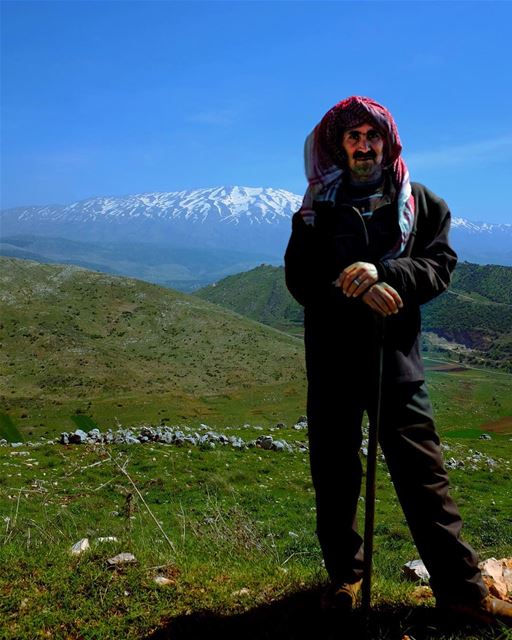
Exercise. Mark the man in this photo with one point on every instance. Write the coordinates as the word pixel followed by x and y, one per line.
pixel 368 243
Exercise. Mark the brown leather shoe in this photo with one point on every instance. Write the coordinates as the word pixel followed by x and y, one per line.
pixel 489 610
pixel 341 597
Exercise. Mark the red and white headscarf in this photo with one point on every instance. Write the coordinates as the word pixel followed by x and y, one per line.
pixel 325 162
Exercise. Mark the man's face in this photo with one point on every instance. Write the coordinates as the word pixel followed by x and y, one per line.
pixel 364 147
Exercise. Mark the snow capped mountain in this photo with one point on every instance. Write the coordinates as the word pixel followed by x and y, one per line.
pixel 231 205
pixel 461 224
pixel 243 219
pixel 233 218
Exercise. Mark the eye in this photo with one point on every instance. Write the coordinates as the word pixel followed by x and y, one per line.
pixel 353 135
pixel 373 135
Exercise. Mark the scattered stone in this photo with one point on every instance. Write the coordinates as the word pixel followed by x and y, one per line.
pixel 242 592
pixel 415 570
pixel 106 539
pixel 497 575
pixel 265 442
pixel 77 437
pixel 163 581
pixel 452 463
pixel 122 558
pixel 80 546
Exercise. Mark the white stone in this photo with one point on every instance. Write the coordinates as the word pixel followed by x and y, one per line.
pixel 80 546
pixel 416 570
pixel 122 558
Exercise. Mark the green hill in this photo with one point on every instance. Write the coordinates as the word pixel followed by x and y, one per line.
pixel 260 294
pixel 80 342
pixel 475 315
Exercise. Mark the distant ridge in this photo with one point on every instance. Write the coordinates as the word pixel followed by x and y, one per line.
pixel 255 220
pixel 472 321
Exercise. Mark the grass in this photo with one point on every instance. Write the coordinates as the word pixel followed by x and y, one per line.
pixel 243 558
pixel 8 429
pixel 244 553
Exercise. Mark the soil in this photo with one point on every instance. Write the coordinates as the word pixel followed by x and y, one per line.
pixel 502 425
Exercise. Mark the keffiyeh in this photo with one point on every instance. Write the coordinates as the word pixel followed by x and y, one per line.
pixel 325 161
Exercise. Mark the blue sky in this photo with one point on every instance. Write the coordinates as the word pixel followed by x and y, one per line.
pixel 113 98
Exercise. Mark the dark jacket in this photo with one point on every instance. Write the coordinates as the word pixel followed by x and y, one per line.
pixel 317 254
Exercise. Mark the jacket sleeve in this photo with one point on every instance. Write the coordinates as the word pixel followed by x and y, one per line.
pixel 426 271
pixel 299 259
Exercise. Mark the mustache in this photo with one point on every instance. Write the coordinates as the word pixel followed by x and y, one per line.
pixel 369 155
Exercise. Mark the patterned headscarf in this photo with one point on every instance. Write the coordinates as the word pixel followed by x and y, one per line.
pixel 325 161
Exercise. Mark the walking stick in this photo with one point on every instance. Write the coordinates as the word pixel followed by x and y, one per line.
pixel 371 467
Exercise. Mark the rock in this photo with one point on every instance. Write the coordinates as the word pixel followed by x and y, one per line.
pixel 106 539
pixel 64 438
pixel 236 443
pixel 485 436
pixel 280 425
pixel 452 463
pixel 163 581
pixel 80 546
pixel 302 419
pixel 77 437
pixel 497 575
pixel 242 592
pixel 416 570
pixel 121 558
pixel 265 442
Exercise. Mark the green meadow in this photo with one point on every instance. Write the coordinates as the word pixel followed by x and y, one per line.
pixel 232 532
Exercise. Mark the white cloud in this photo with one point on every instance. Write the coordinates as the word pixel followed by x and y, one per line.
pixel 481 152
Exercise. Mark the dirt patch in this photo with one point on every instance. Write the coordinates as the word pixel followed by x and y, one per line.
pixel 502 425
pixel 446 368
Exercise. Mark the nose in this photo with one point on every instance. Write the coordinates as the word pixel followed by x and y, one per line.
pixel 363 144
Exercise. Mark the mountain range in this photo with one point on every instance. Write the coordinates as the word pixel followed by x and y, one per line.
pixel 158 236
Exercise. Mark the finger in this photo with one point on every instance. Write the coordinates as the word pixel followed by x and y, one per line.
pixel 346 278
pixel 352 271
pixel 373 299
pixel 375 306
pixel 359 286
pixel 356 280
pixel 394 294
pixel 387 300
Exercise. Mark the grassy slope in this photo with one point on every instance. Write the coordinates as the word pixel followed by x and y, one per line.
pixel 238 520
pixel 80 341
pixel 476 312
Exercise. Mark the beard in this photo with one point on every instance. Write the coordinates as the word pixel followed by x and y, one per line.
pixel 364 166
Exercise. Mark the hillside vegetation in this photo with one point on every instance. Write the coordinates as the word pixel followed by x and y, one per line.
pixel 105 345
pixel 476 313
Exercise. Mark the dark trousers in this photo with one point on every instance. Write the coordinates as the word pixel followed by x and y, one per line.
pixel 409 441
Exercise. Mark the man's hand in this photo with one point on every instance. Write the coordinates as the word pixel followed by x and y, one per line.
pixel 356 278
pixel 383 299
